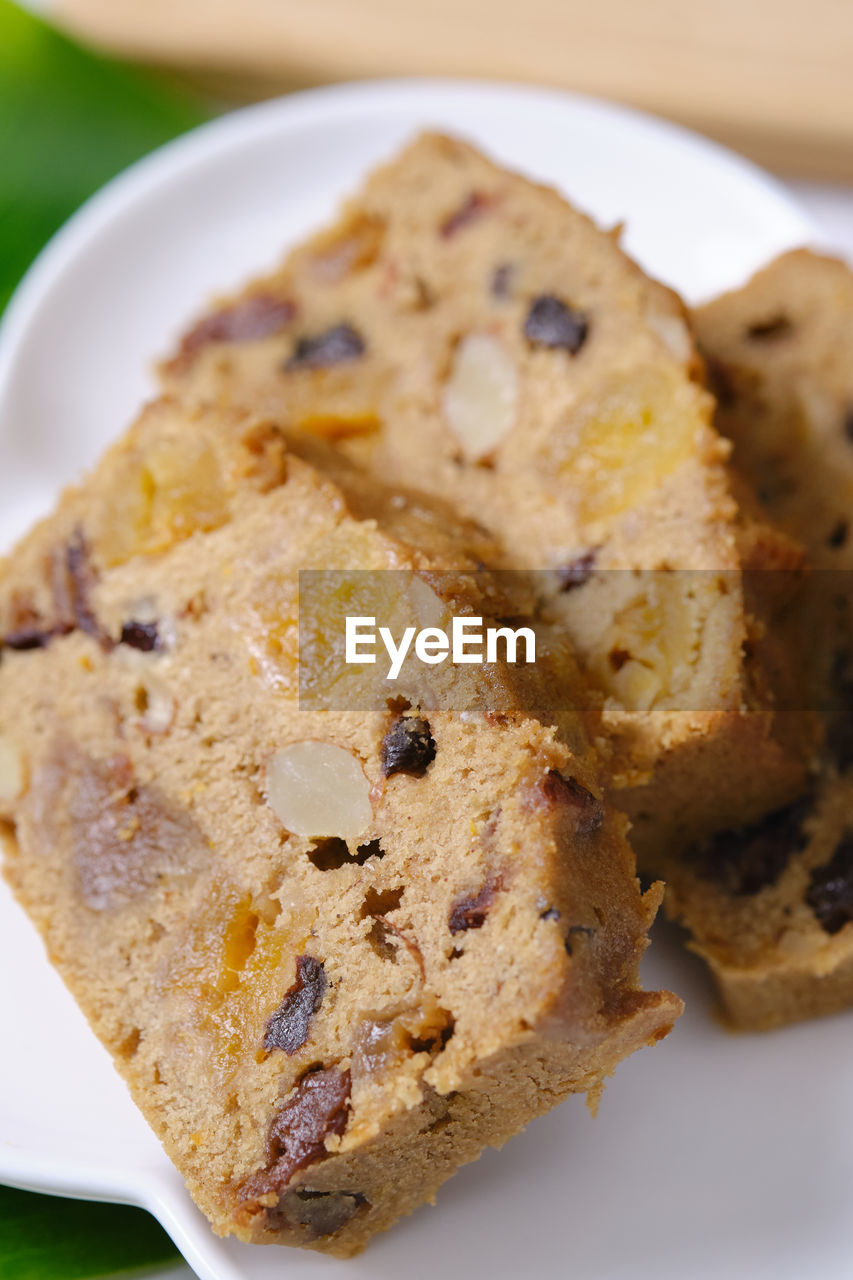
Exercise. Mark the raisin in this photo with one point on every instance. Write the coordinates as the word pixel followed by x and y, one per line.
pixel 472 208
pixel 470 912
pixel 839 534
pixel 577 571
pixel 316 1109
pixel 408 747
pixel 588 808
pixel 141 635
pixel 259 316
pixel 73 581
pixel 321 1213
pixel 830 891
pixel 337 345
pixel 552 323
pixel 501 285
pixel 27 638
pixel 774 327
pixel 749 859
pixel 287 1029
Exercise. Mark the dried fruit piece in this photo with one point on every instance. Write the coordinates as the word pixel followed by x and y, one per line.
pixel 337 345
pixel 317 1108
pixel 73 580
pixel 27 638
pixel 258 316
pixel 408 747
pixel 577 571
pixel 287 1029
pixel 318 789
pixel 321 1213
pixel 470 912
pixel 553 323
pixel 568 791
pixel 481 395
pixel 830 891
pixel 143 636
pixel 752 858
pixel 475 205
pixel 13 774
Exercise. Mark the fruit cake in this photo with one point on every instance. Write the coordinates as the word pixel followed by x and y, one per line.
pixel 770 905
pixel 467 332
pixel 334 951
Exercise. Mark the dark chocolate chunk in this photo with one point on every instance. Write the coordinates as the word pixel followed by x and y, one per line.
pixel 141 635
pixel 749 859
pixel 556 787
pixel 470 912
pixel 337 345
pixel 577 571
pixel 259 316
pixel 839 534
pixel 773 327
pixel 316 1109
pixel 553 323
pixel 287 1029
pixel 321 1213
pixel 830 891
pixel 408 747
pixel 471 209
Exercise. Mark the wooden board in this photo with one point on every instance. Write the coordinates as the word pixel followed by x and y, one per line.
pixel 773 78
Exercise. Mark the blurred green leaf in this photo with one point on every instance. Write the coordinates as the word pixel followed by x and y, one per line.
pixel 46 1238
pixel 69 120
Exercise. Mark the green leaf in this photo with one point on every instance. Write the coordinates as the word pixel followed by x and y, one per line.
pixel 69 120
pixel 46 1238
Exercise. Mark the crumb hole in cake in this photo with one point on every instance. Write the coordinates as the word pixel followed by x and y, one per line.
pixel 617 658
pixel 776 326
pixel 383 941
pixel 332 853
pixel 372 849
pixel 437 1038
pixel 379 902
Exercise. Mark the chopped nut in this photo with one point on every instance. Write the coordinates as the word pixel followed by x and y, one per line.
pixel 481 394
pixel 673 333
pixel 552 323
pixel 287 1029
pixel 408 747
pixel 13 772
pixel 318 789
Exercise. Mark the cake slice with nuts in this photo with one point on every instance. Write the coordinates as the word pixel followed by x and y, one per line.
pixel 770 905
pixel 334 948
pixel 465 331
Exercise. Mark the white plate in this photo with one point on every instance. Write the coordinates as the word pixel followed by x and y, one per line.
pixel 713 1155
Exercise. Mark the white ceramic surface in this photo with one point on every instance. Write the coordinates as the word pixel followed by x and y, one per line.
pixel 712 1155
